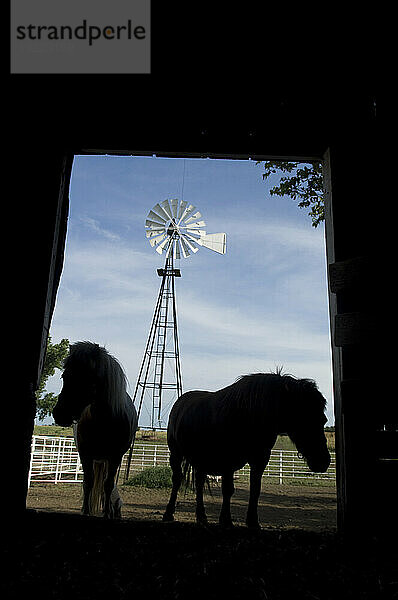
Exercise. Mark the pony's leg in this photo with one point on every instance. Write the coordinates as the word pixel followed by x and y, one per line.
pixel 200 479
pixel 109 487
pixel 175 464
pixel 256 472
pixel 88 481
pixel 227 488
pixel 116 503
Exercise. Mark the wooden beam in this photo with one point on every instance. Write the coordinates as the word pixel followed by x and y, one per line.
pixel 349 274
pixel 354 328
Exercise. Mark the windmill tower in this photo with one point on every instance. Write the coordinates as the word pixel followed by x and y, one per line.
pixel 174 228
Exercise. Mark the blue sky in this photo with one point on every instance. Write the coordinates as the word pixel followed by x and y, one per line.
pixel 262 304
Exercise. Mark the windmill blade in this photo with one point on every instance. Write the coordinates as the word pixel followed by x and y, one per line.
pixel 199 232
pixel 161 246
pixel 191 237
pixel 166 207
pixel 197 215
pixel 187 237
pixel 154 231
pixel 174 207
pixel 184 248
pixel 197 225
pixel 159 210
pixel 156 218
pixel 153 224
pixel 181 209
pixel 156 240
pixel 184 238
pixel 187 212
pixel 214 241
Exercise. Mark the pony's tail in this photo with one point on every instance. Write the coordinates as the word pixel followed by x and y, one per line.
pixel 96 500
pixel 188 476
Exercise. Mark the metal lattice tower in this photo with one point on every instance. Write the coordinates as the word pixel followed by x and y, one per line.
pixel 173 227
pixel 161 384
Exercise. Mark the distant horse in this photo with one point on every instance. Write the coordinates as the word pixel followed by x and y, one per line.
pixel 95 400
pixel 217 433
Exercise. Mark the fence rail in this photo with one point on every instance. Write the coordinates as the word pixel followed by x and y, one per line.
pixel 56 460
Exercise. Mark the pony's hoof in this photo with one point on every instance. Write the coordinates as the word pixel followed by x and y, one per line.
pixel 254 526
pixel 167 518
pixel 117 516
pixel 202 522
pixel 226 525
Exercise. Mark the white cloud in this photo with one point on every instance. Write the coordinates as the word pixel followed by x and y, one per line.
pixel 94 225
pixel 108 285
pixel 282 233
pixel 231 328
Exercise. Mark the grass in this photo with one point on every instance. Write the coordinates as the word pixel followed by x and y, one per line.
pixel 54 430
pixel 153 478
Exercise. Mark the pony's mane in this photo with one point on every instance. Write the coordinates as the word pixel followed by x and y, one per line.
pixel 251 391
pixel 107 369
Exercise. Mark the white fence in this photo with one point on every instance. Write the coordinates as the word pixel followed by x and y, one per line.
pixel 56 460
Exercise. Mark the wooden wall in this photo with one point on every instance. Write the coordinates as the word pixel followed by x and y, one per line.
pixel 243 113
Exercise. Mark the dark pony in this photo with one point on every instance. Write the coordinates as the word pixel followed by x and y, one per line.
pixel 95 401
pixel 217 433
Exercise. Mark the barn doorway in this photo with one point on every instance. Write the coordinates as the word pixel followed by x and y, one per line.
pixel 262 305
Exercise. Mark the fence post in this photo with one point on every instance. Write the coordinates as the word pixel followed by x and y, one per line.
pixel 60 456
pixel 77 466
pixel 143 456
pixel 32 451
pixel 57 463
pixel 280 467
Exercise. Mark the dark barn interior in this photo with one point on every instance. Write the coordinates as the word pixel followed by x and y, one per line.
pixel 199 102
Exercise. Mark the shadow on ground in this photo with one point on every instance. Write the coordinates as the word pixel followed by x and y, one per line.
pixel 65 555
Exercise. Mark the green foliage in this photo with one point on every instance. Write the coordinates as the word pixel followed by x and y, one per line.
pixel 302 182
pixel 55 356
pixel 152 477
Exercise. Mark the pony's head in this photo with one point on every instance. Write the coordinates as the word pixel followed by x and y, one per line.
pixel 305 422
pixel 91 375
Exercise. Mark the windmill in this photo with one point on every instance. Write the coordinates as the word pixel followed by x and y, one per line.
pixel 174 228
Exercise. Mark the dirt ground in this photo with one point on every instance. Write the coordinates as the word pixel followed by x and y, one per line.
pixel 55 553
pixel 287 506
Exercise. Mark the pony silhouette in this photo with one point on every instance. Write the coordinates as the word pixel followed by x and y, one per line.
pixel 95 401
pixel 217 433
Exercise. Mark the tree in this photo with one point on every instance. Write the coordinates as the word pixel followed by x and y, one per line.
pixel 55 356
pixel 302 182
